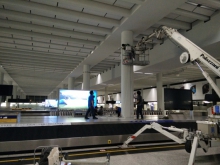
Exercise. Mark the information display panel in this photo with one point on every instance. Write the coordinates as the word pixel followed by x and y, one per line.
pixel 75 99
pixel 51 103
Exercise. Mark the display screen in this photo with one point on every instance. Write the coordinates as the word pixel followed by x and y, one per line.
pixel 51 103
pixel 177 99
pixel 6 90
pixel 75 99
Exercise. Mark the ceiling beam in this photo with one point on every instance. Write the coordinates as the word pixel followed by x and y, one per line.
pixel 50 30
pixel 47 36
pixel 52 10
pixel 36 19
pixel 36 53
pixel 51 59
pixel 96 6
pixel 40 42
pixel 174 23
pixel 139 2
pixel 210 3
pixel 38 69
pixel 35 63
pixel 190 14
pixel 29 47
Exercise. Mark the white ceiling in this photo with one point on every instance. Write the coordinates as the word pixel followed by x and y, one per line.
pixel 42 43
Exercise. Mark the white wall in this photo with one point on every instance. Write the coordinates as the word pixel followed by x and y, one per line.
pixel 106 76
pixel 150 94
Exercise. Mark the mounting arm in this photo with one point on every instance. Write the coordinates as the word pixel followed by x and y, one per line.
pixel 160 129
pixel 193 53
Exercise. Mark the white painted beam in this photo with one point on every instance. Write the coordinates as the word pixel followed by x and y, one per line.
pixel 52 10
pixel 209 3
pixel 96 6
pixel 33 48
pixel 50 58
pixel 32 63
pixel 47 36
pixel 36 60
pixel 36 19
pixel 190 14
pixel 37 53
pixel 49 30
pixel 174 23
pixel 17 40
pixel 139 2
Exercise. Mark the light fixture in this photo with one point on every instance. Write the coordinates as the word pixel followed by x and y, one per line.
pixel 148 73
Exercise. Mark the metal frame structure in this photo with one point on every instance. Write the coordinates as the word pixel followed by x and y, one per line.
pixel 195 55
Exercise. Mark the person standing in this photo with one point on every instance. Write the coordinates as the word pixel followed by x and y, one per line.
pixel 91 106
pixel 118 111
pixel 139 105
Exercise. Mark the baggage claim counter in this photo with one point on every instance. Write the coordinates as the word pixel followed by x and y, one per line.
pixel 10 116
pixel 26 137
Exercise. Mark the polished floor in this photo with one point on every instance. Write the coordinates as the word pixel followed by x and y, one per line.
pixel 172 157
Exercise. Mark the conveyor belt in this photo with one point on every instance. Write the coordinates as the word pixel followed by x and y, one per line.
pixel 79 135
pixel 97 153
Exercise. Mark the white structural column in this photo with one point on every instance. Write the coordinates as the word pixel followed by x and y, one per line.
pixel 23 96
pixel 1 82
pixel 58 93
pixel 19 93
pixel 106 96
pixel 15 91
pixel 71 82
pixel 127 77
pixel 8 97
pixel 160 93
pixel 86 77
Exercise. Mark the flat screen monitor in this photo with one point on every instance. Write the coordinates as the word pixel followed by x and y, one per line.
pixel 51 103
pixel 177 99
pixel 75 99
pixel 6 90
pixel 19 100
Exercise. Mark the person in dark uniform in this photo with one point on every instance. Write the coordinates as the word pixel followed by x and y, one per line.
pixel 91 106
pixel 118 111
pixel 139 105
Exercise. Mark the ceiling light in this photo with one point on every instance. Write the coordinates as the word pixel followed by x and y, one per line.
pixel 148 73
pixel 92 52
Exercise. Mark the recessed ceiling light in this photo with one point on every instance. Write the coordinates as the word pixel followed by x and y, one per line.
pixel 148 73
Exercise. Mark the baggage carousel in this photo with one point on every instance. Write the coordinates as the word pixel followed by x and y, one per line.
pixel 75 132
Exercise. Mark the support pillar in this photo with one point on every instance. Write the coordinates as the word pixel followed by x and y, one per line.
pixel 86 77
pixel 24 96
pixel 58 93
pixel 19 93
pixel 8 97
pixel 127 77
pixel 1 82
pixel 15 91
pixel 71 83
pixel 106 96
pixel 160 93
